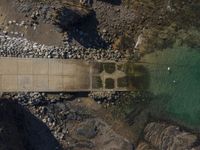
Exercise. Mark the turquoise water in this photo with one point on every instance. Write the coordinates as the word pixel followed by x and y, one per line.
pixel 177 90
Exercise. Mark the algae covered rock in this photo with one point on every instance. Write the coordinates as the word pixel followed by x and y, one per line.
pixel 167 137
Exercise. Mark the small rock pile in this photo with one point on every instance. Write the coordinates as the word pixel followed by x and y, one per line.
pixel 114 97
pixel 105 97
pixel 37 11
pixel 21 47
pixel 37 99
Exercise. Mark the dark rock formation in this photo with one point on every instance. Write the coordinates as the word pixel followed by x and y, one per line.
pixel 88 129
pixel 20 130
pixel 168 137
pixel 73 124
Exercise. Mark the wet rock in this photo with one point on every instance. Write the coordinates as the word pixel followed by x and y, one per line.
pixel 164 136
pixel 105 96
pixel 87 129
pixel 108 139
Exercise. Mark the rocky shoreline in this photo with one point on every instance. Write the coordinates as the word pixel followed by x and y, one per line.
pixel 102 30
pixel 72 125
pixel 21 47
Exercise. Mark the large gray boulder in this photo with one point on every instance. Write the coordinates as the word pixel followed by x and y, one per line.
pixel 169 137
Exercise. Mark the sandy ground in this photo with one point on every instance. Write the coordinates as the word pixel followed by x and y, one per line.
pixel 45 33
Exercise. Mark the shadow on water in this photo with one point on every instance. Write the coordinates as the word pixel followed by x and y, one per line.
pixel 21 130
pixel 153 106
pixel 82 29
pixel 137 76
pixel 141 81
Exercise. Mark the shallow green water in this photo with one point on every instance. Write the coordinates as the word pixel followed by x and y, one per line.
pixel 178 91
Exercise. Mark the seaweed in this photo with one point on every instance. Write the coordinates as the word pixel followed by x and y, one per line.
pixel 97 82
pixel 122 82
pixel 109 67
pixel 109 83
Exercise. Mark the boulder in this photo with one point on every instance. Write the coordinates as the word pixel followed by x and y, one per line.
pixel 167 137
pixel 87 129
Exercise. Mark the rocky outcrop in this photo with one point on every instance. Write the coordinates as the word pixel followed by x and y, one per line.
pixel 109 139
pixel 87 129
pixel 102 135
pixel 70 122
pixel 168 137
pixel 20 130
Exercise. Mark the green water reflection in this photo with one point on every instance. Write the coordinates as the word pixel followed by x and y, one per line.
pixel 175 79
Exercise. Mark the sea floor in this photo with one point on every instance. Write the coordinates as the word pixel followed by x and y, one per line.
pixel 175 81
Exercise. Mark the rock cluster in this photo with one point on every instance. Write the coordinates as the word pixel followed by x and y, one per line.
pixel 105 96
pixel 114 97
pixel 21 47
pixel 37 99
pixel 21 25
pixel 37 11
pixel 73 126
pixel 167 137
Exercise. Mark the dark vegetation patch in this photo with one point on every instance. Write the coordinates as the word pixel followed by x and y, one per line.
pixel 109 83
pixel 97 82
pixel 100 67
pixel 109 67
pixel 97 68
pixel 137 76
pixel 122 82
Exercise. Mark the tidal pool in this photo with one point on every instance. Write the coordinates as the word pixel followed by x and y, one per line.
pixel 175 80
